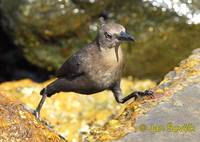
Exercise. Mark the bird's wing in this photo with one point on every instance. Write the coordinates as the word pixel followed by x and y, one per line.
pixel 71 68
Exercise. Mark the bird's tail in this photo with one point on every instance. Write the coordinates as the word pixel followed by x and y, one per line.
pixel 46 91
pixel 57 86
pixel 42 91
pixel 50 89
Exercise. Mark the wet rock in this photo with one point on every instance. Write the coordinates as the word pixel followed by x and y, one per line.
pixel 172 115
pixel 16 124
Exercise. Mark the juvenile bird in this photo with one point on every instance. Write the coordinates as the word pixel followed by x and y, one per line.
pixel 96 67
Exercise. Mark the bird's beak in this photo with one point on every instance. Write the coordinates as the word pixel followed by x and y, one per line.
pixel 124 36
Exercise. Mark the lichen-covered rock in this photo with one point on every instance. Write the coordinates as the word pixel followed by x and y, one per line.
pixel 99 118
pixel 174 120
pixel 70 114
pixel 176 102
pixel 17 125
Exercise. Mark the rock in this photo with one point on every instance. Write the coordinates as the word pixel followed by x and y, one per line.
pixel 98 117
pixel 16 124
pixel 70 114
pixel 172 115
pixel 174 120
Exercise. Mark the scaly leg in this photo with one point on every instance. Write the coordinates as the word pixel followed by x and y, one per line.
pixel 39 107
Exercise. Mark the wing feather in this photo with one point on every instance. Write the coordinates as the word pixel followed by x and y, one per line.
pixel 71 68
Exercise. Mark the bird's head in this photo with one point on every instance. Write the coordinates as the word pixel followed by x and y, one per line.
pixel 111 34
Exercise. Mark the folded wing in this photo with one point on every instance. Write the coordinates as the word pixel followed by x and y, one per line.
pixel 71 68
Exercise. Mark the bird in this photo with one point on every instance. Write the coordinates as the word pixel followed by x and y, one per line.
pixel 94 68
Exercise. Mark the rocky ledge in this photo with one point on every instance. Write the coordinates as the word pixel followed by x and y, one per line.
pixel 171 115
pixel 16 124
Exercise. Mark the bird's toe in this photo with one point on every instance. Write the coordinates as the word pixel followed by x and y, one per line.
pixel 148 93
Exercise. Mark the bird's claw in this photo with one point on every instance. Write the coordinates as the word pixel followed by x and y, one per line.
pixel 142 94
pixel 148 93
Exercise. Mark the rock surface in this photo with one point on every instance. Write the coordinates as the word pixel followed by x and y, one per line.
pixel 175 120
pixel 99 118
pixel 17 125
pixel 175 108
pixel 70 114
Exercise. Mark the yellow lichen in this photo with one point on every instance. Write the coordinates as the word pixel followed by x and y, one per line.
pixel 74 115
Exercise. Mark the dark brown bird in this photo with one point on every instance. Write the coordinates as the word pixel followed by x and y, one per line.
pixel 96 67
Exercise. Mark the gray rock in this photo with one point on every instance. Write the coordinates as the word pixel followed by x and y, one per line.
pixel 162 122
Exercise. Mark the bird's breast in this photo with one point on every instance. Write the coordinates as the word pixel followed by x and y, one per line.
pixel 105 68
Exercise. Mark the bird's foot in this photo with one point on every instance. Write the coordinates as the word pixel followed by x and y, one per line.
pixel 37 115
pixel 148 93
pixel 140 94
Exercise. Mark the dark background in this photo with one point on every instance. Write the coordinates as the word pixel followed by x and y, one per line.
pixel 37 37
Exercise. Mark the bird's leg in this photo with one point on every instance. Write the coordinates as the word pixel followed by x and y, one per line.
pixel 39 107
pixel 120 99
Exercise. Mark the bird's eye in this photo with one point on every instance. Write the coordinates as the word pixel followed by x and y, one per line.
pixel 107 35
